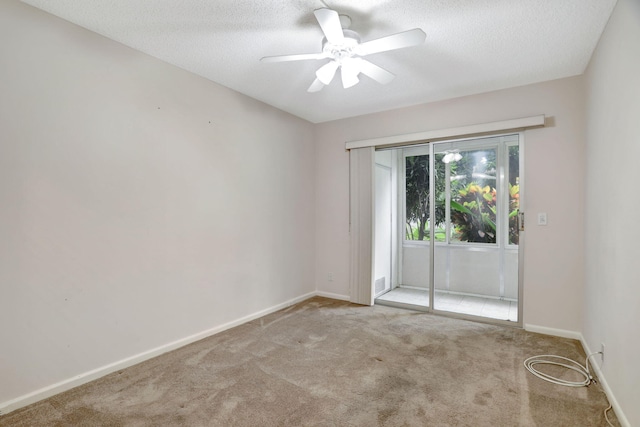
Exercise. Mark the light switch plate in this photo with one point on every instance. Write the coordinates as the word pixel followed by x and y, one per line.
pixel 542 218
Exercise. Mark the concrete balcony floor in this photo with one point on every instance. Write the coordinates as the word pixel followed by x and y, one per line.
pixel 493 308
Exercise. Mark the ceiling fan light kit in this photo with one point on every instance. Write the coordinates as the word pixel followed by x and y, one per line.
pixel 452 156
pixel 344 49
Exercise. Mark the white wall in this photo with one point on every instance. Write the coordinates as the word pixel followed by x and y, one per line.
pixel 554 170
pixel 612 308
pixel 139 204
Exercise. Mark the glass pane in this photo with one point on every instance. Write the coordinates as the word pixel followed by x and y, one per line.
pixel 514 193
pixel 473 195
pixel 417 197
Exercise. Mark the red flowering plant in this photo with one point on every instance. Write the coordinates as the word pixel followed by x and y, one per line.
pixel 514 208
pixel 473 214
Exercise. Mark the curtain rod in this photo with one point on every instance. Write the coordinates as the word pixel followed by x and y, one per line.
pixel 430 135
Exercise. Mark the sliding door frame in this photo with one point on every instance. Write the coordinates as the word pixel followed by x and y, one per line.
pixel 361 283
pixel 501 245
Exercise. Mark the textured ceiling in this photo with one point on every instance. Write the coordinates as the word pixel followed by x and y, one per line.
pixel 472 46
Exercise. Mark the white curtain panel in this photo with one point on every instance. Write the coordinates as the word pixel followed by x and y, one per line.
pixel 361 190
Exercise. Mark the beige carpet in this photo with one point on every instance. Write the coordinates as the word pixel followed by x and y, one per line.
pixel 330 363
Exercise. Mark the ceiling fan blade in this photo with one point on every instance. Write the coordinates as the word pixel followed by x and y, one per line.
pixel 349 71
pixel 378 74
pixel 395 41
pixel 329 21
pixel 300 57
pixel 316 86
pixel 327 71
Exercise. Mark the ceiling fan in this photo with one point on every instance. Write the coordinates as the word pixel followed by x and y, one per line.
pixel 344 50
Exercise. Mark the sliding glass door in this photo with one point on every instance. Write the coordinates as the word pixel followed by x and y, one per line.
pixel 458 205
pixel 477 203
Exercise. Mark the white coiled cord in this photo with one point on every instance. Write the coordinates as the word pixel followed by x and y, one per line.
pixel 531 362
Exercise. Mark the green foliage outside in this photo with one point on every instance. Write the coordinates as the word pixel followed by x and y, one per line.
pixel 474 214
pixel 514 208
pixel 417 196
pixel 473 201
pixel 440 234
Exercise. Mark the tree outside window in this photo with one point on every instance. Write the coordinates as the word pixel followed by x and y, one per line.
pixel 473 197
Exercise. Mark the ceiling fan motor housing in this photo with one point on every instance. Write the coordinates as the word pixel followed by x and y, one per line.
pixel 344 50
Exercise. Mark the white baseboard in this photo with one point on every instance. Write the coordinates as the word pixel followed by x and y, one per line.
pixel 563 333
pixel 43 393
pixel 624 422
pixel 333 296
